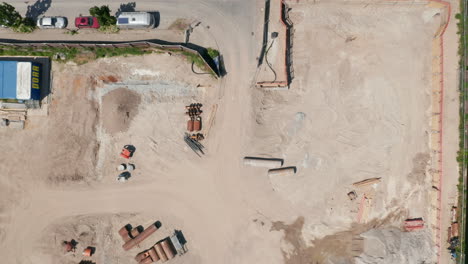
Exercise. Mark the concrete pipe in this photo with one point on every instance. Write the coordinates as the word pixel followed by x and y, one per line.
pixel 160 251
pixel 121 167
pixel 288 171
pixel 147 260
pixel 263 162
pixel 154 256
pixel 167 249
pixel 126 237
pixel 141 256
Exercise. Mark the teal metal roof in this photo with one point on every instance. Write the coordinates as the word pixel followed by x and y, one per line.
pixel 8 79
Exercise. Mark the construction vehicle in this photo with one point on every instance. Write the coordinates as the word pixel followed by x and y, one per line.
pixel 69 246
pixel 127 151
pixel 197 137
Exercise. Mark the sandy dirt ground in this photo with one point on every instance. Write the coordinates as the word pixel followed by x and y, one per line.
pixel 451 119
pixel 357 108
pixel 351 114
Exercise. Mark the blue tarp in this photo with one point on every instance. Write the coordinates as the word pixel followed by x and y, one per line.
pixel 8 79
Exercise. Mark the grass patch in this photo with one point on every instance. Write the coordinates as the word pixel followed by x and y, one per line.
pixel 212 53
pixel 82 55
pixel 111 29
pixel 72 54
pixel 462 154
pixel 179 24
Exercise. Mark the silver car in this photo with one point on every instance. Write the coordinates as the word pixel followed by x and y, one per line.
pixel 52 22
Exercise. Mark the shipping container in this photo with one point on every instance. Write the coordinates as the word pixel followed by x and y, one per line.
pixel 20 80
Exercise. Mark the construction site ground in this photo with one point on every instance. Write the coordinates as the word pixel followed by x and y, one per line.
pixel 359 107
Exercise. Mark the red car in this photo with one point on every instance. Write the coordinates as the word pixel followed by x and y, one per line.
pixel 86 22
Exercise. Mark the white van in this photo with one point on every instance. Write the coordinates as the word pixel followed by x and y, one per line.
pixel 136 20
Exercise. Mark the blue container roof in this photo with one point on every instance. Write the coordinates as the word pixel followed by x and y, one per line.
pixel 8 79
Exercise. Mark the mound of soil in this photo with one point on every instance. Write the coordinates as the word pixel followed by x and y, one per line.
pixel 118 109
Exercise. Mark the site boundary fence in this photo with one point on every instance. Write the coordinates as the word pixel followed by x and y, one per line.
pixel 208 61
pixel 464 133
pixel 288 68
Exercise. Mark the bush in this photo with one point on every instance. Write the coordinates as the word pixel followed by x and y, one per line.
pixel 9 17
pixel 103 15
pixel 26 25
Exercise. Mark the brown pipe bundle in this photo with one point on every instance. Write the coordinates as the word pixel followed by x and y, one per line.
pixel 167 249
pixel 142 236
pixel 160 252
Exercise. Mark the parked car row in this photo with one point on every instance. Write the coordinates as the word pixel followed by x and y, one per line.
pixel 124 20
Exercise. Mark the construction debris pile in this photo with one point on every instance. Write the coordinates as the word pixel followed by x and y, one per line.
pixel 194 124
pixel 13 118
pixel 453 239
pixel 70 246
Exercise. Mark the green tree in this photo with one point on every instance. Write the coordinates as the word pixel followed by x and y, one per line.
pixel 9 16
pixel 103 15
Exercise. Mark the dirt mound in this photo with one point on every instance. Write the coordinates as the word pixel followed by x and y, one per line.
pixel 391 245
pixel 119 107
pixel 87 231
pixel 337 248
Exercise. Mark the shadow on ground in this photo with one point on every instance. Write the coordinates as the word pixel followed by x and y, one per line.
pixel 128 7
pixel 38 8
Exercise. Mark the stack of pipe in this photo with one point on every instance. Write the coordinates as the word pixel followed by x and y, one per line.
pixel 162 250
pixel 140 237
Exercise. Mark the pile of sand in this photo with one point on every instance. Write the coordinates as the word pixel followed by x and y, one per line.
pixel 118 109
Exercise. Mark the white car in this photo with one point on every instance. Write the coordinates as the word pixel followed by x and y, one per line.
pixel 52 22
